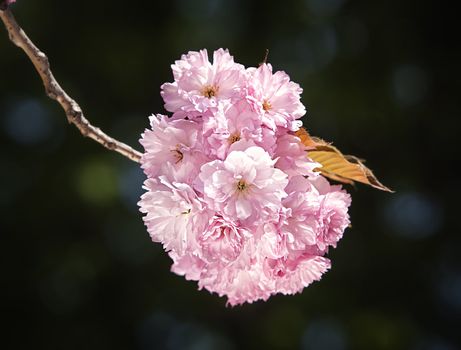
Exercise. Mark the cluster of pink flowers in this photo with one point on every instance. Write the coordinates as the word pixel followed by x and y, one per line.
pixel 230 191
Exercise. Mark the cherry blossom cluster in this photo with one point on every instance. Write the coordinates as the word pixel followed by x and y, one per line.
pixel 231 193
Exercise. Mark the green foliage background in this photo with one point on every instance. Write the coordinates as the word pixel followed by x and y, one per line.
pixel 78 271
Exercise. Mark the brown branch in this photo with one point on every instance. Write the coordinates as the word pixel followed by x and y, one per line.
pixel 54 90
pixel 266 55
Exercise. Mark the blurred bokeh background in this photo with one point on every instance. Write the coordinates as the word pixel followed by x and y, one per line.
pixel 78 270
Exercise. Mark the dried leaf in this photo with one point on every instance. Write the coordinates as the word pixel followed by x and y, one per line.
pixel 337 166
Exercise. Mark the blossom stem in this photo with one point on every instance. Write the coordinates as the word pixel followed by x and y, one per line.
pixel 55 91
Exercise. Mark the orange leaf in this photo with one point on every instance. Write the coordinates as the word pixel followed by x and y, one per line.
pixel 337 166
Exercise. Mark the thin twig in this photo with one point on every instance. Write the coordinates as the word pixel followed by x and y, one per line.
pixel 54 90
pixel 266 55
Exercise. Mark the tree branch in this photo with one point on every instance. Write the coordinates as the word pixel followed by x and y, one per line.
pixel 54 90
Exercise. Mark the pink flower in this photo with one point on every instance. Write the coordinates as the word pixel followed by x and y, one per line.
pixel 301 223
pixel 275 97
pixel 285 270
pixel 245 186
pixel 292 157
pixel 333 214
pixel 244 287
pixel 291 276
pixel 222 241
pixel 231 193
pixel 173 148
pixel 255 277
pixel 199 85
pixel 234 124
pixel 188 265
pixel 242 281
pixel 174 214
pixel 317 218
pixel 239 278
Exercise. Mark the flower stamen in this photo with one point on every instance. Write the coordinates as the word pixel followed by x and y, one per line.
pixel 210 91
pixel 234 137
pixel 177 154
pixel 267 105
pixel 242 185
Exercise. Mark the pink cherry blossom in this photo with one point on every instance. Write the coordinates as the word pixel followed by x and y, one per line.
pixel 317 218
pixel 302 225
pixel 188 265
pixel 293 275
pixel 173 147
pixel 240 286
pixel 231 193
pixel 174 213
pixel 275 97
pixel 233 124
pixel 244 186
pixel 222 241
pixel 333 214
pixel 200 85
pixel 292 157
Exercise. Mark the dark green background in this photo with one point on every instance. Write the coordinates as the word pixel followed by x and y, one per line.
pixel 78 270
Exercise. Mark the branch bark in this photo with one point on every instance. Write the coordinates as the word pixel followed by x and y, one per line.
pixel 54 90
